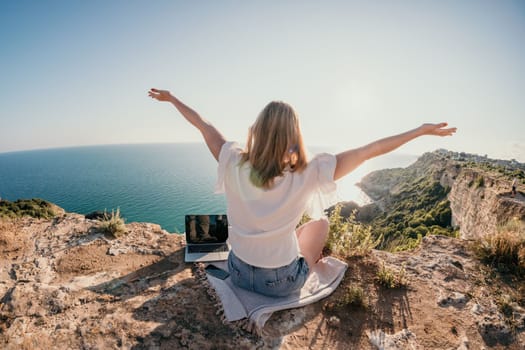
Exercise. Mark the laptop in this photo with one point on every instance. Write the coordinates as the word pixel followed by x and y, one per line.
pixel 206 237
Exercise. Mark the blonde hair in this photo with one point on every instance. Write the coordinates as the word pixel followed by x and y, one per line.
pixel 274 144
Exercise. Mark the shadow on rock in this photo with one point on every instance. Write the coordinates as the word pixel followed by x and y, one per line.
pixel 136 282
pixel 188 316
pixel 175 299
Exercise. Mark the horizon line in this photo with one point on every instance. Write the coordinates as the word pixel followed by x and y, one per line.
pixel 162 143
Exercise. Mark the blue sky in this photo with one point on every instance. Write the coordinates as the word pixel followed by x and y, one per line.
pixel 77 72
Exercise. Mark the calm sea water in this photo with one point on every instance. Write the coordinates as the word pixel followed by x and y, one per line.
pixel 156 183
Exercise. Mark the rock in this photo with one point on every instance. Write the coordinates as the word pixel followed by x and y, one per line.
pixel 478 211
pixel 68 287
pixel 495 332
pixel 464 344
pixel 401 340
pixel 476 309
pixel 457 300
pixel 334 322
pixel 96 215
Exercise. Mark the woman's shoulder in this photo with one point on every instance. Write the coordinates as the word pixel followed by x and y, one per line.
pixel 320 162
pixel 230 154
pixel 229 148
pixel 321 158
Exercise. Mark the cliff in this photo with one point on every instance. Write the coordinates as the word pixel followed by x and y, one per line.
pixel 443 192
pixel 66 285
pixel 481 200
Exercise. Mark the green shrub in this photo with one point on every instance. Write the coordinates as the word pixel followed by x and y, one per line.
pixel 438 230
pixel 390 278
pixel 403 243
pixel 37 208
pixel 520 174
pixel 113 224
pixel 353 296
pixel 304 219
pixel 421 230
pixel 348 237
pixel 479 182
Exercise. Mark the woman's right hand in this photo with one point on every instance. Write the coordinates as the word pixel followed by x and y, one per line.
pixel 160 95
pixel 212 136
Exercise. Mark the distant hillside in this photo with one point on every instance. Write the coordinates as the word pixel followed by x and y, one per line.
pixel 509 167
pixel 443 192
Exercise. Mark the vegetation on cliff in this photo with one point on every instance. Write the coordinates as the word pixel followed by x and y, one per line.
pixel 348 237
pixel 420 209
pixel 37 208
pixel 414 203
pixel 503 171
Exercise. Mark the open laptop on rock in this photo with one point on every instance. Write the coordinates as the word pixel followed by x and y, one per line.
pixel 206 237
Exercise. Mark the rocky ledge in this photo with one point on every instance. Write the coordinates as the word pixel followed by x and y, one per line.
pixel 65 285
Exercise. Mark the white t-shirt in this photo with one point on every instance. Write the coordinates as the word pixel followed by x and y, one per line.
pixel 263 221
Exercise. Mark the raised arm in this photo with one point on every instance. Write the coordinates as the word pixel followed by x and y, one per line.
pixel 212 136
pixel 351 159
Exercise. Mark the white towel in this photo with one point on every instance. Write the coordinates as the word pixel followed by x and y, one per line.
pixel 239 303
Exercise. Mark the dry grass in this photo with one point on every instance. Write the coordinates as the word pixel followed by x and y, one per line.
pixel 113 224
pixel 505 249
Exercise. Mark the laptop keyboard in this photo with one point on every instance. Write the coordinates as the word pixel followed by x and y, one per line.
pixel 207 248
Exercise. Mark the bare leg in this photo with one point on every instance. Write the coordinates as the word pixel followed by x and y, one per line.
pixel 312 237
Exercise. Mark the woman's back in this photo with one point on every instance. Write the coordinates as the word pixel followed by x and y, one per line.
pixel 263 220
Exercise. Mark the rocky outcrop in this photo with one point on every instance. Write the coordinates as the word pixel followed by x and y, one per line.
pixel 65 285
pixel 480 202
pixel 456 297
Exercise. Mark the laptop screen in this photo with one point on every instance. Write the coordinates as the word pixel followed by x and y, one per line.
pixel 206 228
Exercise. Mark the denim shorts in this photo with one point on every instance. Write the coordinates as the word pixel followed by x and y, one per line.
pixel 273 282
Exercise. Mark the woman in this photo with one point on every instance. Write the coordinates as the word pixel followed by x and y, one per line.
pixel 268 187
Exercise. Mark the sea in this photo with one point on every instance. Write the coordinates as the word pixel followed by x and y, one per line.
pixel 157 183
